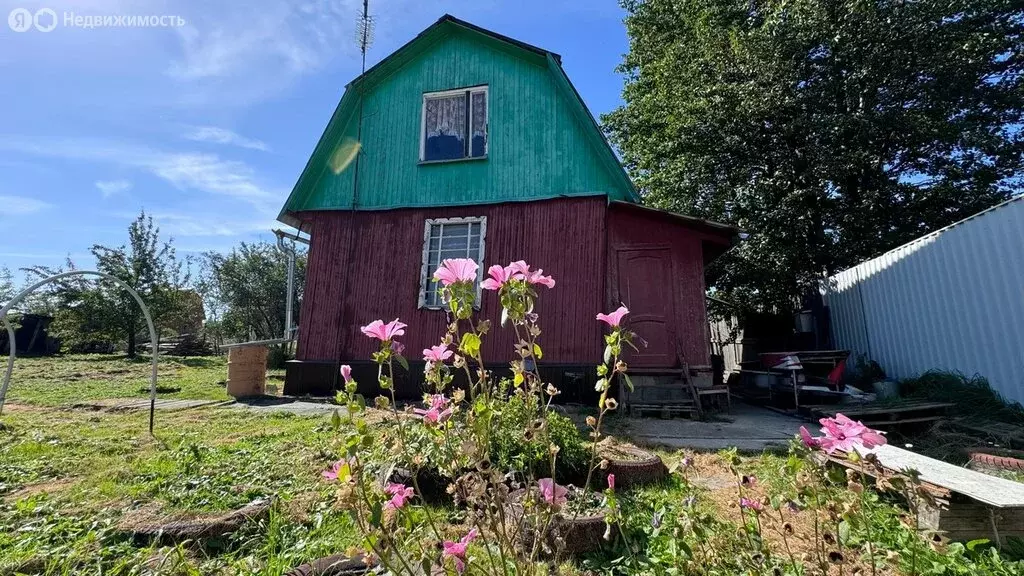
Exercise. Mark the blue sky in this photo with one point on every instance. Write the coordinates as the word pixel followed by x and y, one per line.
pixel 208 125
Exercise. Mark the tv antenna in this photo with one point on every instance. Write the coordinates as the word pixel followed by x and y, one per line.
pixel 364 31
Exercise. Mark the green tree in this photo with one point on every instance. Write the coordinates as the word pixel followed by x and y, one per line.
pixel 150 267
pixel 829 130
pixel 246 290
pixel 7 290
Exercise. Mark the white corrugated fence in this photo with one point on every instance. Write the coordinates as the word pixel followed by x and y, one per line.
pixel 950 300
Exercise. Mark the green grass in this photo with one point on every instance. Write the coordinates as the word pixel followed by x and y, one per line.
pixel 69 477
pixel 74 378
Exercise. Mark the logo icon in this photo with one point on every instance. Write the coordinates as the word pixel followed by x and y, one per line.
pixel 43 24
pixel 20 20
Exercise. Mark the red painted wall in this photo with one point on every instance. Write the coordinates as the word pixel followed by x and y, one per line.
pixel 632 229
pixel 366 266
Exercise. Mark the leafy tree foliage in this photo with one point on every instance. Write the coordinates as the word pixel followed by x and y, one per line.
pixel 7 290
pixel 150 267
pixel 829 130
pixel 247 290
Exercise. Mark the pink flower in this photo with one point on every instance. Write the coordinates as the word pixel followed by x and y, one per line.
pixel 437 353
pixel 399 494
pixel 748 504
pixel 384 332
pixel 457 550
pixel 454 270
pixel 397 347
pixel 611 481
pixel 535 277
pixel 346 372
pixel 809 441
pixel 842 433
pixel 552 493
pixel 438 412
pixel 499 275
pixel 614 318
pixel 335 469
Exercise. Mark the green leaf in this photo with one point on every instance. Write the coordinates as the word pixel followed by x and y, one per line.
pixel 607 354
pixel 975 543
pixel 629 382
pixel 402 361
pixel 844 532
pixel 470 344
pixel 335 420
pixel 518 379
pixel 537 352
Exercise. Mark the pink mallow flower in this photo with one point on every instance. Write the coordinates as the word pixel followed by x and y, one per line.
pixel 454 270
pixel 499 275
pixel 611 481
pixel 615 318
pixel 346 372
pixel 552 493
pixel 437 354
pixel 457 550
pixel 438 412
pixel 749 504
pixel 335 469
pixel 399 495
pixel 842 433
pixel 384 332
pixel 532 277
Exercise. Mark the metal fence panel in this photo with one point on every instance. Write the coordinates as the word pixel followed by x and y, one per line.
pixel 950 300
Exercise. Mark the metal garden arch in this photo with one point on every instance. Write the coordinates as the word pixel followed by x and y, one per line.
pixel 21 295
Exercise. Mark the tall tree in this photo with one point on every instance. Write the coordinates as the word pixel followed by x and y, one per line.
pixel 829 130
pixel 6 285
pixel 248 288
pixel 150 267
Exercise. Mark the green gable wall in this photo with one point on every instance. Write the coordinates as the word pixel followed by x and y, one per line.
pixel 542 142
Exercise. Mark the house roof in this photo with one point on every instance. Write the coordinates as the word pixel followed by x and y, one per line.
pixel 446 25
pixel 727 230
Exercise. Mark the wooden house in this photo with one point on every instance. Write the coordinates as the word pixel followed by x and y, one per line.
pixel 467 143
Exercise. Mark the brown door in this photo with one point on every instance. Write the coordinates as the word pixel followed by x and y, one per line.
pixel 645 284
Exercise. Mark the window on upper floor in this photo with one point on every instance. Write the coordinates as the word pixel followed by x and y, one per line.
pixel 454 125
pixel 445 238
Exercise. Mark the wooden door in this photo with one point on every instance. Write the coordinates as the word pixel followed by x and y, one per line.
pixel 646 285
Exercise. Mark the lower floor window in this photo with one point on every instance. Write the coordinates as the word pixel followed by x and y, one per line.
pixel 445 238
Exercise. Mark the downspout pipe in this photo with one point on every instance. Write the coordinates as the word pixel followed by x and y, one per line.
pixel 289 250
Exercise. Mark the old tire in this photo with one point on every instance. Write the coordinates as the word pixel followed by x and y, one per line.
pixel 567 536
pixel 645 468
pixel 336 565
pixel 997 458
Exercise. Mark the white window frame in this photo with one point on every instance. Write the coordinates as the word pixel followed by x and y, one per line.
pixel 427 275
pixel 487 121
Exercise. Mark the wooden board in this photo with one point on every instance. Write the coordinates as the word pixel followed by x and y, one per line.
pixel 990 490
pixel 880 408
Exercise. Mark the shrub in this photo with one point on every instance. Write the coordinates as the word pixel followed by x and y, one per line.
pixel 512 449
pixel 972 396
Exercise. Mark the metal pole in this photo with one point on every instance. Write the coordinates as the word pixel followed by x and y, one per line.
pixel 145 312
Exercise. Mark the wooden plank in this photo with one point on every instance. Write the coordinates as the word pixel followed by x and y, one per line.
pixel 875 423
pixel 997 492
pixel 872 408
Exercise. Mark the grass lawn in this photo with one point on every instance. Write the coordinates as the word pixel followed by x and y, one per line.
pixel 74 378
pixel 70 477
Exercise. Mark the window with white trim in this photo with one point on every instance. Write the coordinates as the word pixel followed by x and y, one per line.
pixel 445 238
pixel 454 125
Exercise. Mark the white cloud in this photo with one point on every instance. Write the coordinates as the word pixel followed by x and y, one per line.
pixel 202 172
pixel 113 187
pixel 201 225
pixel 276 36
pixel 20 205
pixel 224 136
